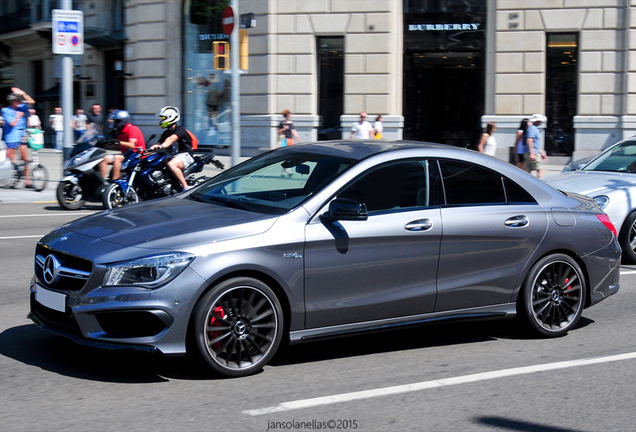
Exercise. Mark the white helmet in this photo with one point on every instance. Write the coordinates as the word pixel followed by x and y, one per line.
pixel 169 115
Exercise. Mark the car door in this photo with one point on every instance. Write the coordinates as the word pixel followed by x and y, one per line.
pixel 491 229
pixel 382 267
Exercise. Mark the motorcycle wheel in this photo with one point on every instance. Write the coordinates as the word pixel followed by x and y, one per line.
pixel 114 197
pixel 68 198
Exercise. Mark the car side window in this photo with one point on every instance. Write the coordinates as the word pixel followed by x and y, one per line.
pixel 465 183
pixel 395 186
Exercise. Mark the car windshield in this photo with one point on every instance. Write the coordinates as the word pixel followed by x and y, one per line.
pixel 273 183
pixel 620 158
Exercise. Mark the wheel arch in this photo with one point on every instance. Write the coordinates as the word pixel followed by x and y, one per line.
pixel 567 252
pixel 263 277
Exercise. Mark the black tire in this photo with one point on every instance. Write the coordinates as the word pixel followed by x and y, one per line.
pixel 16 178
pixel 237 327
pixel 69 197
pixel 627 239
pixel 553 296
pixel 113 196
pixel 39 177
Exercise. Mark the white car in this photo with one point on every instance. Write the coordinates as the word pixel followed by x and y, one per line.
pixel 6 167
pixel 609 178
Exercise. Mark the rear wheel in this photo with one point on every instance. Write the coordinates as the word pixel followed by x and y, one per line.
pixel 114 196
pixel 627 239
pixel 237 327
pixel 39 177
pixel 553 296
pixel 70 196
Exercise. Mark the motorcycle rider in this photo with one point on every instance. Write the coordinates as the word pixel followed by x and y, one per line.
pixel 177 137
pixel 129 136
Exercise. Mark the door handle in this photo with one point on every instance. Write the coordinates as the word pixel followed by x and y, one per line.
pixel 517 221
pixel 419 225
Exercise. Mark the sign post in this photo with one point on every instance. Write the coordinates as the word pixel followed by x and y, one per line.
pixel 68 39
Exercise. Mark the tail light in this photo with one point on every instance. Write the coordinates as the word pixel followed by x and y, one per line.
pixel 608 223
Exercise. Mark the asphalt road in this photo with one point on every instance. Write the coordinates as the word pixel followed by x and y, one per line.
pixel 456 377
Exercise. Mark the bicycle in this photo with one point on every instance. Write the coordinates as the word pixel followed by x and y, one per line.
pixel 38 172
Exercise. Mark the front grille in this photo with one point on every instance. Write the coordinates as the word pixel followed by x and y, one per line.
pixel 60 271
pixel 53 318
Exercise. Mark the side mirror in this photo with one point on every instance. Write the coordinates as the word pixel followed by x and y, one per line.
pixel 343 209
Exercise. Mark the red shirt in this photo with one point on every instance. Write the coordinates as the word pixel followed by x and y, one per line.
pixel 129 132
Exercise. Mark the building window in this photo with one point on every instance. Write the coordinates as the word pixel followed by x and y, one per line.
pixel 207 92
pixel 330 86
pixel 561 92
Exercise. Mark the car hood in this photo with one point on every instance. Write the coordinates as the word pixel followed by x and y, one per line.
pixel 184 222
pixel 591 183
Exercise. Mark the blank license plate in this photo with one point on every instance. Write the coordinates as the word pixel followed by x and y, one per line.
pixel 50 299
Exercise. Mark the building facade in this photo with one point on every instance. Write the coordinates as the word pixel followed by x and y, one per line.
pixel 437 70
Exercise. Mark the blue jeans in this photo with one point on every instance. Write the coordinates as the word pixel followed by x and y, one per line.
pixel 59 140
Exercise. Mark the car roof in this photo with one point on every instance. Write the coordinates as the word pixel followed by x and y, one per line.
pixel 361 149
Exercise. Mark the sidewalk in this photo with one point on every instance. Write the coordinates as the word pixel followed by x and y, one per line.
pixel 53 163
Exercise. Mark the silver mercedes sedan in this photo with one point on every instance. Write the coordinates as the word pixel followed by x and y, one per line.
pixel 609 178
pixel 325 239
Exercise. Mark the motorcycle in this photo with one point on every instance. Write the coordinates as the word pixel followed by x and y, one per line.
pixel 85 181
pixel 149 177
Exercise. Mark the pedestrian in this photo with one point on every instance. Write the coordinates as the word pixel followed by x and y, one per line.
pixel 535 154
pixel 379 127
pixel 487 143
pixel 57 123
pixel 78 123
pixel 287 131
pixel 361 129
pixel 520 143
pixel 95 117
pixel 15 121
pixel 33 121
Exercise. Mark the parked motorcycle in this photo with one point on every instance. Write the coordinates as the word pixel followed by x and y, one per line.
pixel 85 181
pixel 149 177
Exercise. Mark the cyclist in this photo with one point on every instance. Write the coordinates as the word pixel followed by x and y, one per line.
pixel 15 117
pixel 128 135
pixel 176 137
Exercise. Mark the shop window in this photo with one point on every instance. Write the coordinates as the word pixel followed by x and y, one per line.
pixel 561 92
pixel 330 86
pixel 207 91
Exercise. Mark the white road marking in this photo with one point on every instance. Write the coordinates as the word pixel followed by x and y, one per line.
pixel 46 214
pixel 21 237
pixel 426 385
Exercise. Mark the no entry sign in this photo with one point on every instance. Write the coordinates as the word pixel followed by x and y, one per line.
pixel 228 20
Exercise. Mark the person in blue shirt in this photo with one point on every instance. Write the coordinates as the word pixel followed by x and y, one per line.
pixel 535 154
pixel 15 122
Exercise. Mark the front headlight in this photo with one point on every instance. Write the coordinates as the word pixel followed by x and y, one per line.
pixel 602 201
pixel 148 272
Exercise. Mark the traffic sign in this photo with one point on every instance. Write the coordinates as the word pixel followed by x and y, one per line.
pixel 228 20
pixel 68 31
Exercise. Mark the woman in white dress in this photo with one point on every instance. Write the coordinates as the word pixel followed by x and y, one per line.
pixel 488 144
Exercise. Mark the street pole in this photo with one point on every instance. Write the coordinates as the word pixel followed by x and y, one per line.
pixel 67 94
pixel 236 90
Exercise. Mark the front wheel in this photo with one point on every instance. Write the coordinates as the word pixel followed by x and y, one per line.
pixel 553 296
pixel 114 196
pixel 627 239
pixel 237 327
pixel 70 196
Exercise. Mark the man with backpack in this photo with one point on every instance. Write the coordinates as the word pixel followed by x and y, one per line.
pixel 179 139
